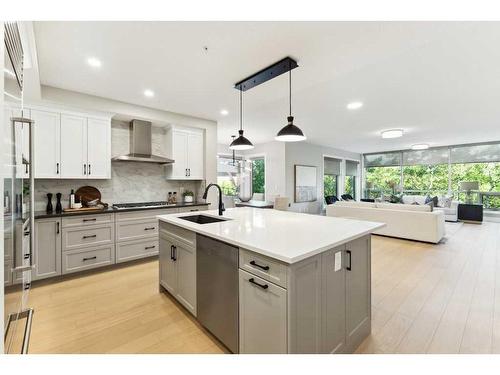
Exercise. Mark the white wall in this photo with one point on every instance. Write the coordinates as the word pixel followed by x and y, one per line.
pixel 129 111
pixel 2 174
pixel 308 154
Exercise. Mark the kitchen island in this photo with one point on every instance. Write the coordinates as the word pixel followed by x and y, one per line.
pixel 299 283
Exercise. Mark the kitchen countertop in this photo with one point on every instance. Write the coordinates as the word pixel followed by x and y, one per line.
pixel 287 236
pixel 110 209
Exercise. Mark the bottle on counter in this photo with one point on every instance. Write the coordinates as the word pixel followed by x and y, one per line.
pixel 174 198
pixel 72 199
pixel 169 199
pixel 58 204
pixel 49 208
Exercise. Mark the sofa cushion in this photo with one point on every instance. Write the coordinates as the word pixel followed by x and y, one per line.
pixel 355 204
pixel 410 199
pixel 404 207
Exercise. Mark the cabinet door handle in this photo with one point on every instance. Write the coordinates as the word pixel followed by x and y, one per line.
pixel 186 172
pixel 189 172
pixel 149 247
pixel 90 236
pixel 149 228
pixel 89 169
pixel 171 252
pixel 26 168
pixel 348 267
pixel 85 259
pixel 57 168
pixel 93 219
pixel 175 253
pixel 85 169
pixel 265 268
pixel 252 280
pixel 57 228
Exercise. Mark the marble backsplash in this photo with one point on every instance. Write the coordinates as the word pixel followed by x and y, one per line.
pixel 130 181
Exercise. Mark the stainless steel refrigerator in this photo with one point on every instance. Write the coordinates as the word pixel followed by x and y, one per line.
pixel 18 200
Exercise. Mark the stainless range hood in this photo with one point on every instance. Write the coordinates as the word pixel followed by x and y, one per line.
pixel 140 145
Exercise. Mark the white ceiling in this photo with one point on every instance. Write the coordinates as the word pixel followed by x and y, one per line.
pixel 439 81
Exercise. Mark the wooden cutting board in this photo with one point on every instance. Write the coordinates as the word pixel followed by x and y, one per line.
pixel 87 194
pixel 83 209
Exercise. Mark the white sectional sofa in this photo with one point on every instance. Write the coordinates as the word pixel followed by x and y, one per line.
pixel 413 222
pixel 450 213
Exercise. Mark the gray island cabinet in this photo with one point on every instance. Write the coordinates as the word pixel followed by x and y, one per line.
pixel 317 301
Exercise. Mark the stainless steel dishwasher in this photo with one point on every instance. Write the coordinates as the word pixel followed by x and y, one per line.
pixel 217 289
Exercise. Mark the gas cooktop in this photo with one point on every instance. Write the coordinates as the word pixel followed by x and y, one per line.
pixel 122 206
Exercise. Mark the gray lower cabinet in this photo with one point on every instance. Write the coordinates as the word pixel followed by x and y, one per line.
pixel 358 291
pixel 47 252
pixel 263 315
pixel 178 267
pixel 334 297
pixel 325 304
pixel 85 259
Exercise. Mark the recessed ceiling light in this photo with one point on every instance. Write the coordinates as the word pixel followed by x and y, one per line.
pixel 149 93
pixel 9 72
pixel 94 62
pixel 420 146
pixel 354 105
pixel 224 112
pixel 392 133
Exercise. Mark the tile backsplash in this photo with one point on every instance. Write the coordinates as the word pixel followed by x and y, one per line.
pixel 130 181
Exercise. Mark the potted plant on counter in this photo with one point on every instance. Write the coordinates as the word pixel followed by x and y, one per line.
pixel 188 196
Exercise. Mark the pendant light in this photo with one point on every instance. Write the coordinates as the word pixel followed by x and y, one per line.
pixel 241 143
pixel 290 132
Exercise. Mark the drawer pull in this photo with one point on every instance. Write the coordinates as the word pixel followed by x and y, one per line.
pixel 91 258
pixel 149 247
pixel 252 280
pixel 348 268
pixel 85 220
pixel 90 236
pixel 150 228
pixel 265 268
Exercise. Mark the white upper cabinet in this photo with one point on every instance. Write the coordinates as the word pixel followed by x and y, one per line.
pixel 98 148
pixel 47 129
pixel 69 145
pixel 73 147
pixel 186 147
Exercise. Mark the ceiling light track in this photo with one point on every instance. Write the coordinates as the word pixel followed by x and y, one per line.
pixel 290 132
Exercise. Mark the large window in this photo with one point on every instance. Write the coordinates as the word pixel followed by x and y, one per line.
pixel 351 173
pixel 382 174
pixel 258 178
pixel 330 177
pixel 436 171
pixel 227 175
pixel 425 172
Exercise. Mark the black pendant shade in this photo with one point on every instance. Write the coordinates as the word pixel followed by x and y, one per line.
pixel 290 132
pixel 241 143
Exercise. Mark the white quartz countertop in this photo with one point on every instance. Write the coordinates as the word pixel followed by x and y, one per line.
pixel 287 236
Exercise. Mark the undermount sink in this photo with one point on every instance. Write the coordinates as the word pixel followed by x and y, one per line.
pixel 202 219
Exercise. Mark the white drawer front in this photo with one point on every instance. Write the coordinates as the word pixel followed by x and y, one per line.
pixel 179 235
pixel 83 259
pixel 193 208
pixel 75 238
pixel 84 220
pixel 126 251
pixel 144 214
pixel 136 230
pixel 264 267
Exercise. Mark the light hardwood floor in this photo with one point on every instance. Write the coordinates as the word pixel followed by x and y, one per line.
pixel 426 299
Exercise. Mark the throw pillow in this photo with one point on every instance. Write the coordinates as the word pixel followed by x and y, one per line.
pixel 435 200
pixel 428 199
pixel 447 202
